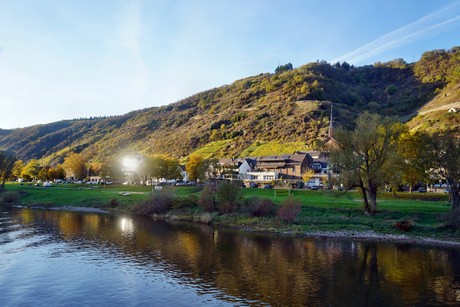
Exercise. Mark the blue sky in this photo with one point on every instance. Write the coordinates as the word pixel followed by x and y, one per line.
pixel 66 59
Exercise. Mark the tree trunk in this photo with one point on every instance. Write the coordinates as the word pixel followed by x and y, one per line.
pixel 455 198
pixel 372 196
pixel 454 194
pixel 2 185
pixel 367 208
pixel 394 192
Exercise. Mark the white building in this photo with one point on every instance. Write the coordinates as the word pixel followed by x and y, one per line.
pixel 262 176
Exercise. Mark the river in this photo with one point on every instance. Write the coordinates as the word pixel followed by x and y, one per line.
pixel 62 258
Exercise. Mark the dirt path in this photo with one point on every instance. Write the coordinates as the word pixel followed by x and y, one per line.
pixel 444 107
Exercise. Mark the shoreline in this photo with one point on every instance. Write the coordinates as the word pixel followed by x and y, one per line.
pixel 387 238
pixel 367 236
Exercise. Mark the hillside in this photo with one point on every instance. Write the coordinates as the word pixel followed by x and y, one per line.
pixel 267 113
pixel 441 68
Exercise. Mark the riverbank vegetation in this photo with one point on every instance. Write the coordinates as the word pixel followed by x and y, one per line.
pixel 301 212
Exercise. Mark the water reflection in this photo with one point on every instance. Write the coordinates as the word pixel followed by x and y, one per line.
pixel 258 269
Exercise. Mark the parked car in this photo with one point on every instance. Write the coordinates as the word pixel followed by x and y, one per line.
pixel 314 188
pixel 253 185
pixel 421 190
pixel 268 186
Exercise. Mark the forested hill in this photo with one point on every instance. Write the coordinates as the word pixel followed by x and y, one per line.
pixel 267 113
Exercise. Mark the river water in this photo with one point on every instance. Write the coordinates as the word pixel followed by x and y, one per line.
pixel 60 258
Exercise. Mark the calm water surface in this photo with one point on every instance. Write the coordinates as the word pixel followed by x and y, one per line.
pixel 59 258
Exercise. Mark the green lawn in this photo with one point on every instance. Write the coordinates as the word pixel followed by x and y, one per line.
pixel 321 210
pixel 82 195
pixel 332 211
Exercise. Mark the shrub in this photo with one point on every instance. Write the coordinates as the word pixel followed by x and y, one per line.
pixel 207 200
pixel 9 198
pixel 452 219
pixel 227 207
pixel 158 203
pixel 188 201
pixel 260 207
pixel 391 89
pixel 113 203
pixel 403 225
pixel 289 210
pixel 227 197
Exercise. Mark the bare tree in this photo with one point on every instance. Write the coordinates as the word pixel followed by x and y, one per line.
pixel 365 155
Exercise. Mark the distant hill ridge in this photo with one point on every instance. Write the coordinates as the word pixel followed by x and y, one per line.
pixel 271 113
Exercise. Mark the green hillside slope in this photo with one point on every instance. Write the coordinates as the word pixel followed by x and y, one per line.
pixel 271 109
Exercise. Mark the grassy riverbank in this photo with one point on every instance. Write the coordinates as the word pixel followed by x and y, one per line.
pixel 322 211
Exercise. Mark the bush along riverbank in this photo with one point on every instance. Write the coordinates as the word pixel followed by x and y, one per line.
pixel 225 205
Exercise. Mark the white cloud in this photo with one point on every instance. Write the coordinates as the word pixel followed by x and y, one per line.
pixel 431 24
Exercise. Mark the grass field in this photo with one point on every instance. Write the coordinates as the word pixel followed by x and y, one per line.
pixel 321 210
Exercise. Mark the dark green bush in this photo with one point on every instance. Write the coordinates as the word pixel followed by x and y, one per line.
pixel 185 202
pixel 227 196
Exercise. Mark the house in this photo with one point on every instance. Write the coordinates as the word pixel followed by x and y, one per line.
pixel 322 168
pixel 289 167
pixel 261 176
pixel 246 167
pixel 452 110
pixel 229 168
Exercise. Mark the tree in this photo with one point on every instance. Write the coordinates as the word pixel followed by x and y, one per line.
pixel 366 155
pixel 412 165
pixel 17 168
pixel 391 89
pixel 6 165
pixel 111 170
pixel 161 166
pixel 75 165
pixel 308 175
pixel 31 170
pixel 196 167
pixel 283 68
pixel 56 172
pixel 443 160
pixel 43 173
pixel 173 169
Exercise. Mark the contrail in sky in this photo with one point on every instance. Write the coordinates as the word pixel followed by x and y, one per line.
pixel 430 24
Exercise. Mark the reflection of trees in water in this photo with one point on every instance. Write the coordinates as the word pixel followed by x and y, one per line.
pixel 272 269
